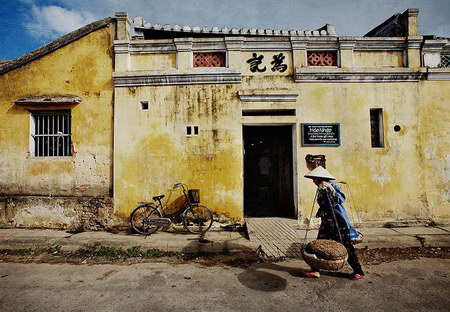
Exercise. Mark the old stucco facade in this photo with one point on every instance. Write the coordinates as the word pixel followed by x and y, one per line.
pixel 405 180
pixel 74 74
pixel 150 118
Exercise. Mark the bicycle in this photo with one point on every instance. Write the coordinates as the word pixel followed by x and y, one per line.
pixel 147 217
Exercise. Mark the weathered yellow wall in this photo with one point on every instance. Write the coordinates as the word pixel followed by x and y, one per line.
pixel 152 151
pixel 83 68
pixel 153 61
pixel 387 184
pixel 434 121
pixel 378 58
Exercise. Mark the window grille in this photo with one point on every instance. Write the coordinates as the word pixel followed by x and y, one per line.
pixel 445 61
pixel 376 127
pixel 51 133
pixel 209 59
pixel 322 58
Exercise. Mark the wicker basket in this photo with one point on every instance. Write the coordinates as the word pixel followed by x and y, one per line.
pixel 325 254
pixel 194 195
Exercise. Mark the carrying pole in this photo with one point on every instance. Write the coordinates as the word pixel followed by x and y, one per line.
pixel 310 216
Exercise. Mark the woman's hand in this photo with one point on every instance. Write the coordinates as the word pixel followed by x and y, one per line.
pixel 328 186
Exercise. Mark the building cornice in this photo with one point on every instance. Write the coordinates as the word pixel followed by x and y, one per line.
pixel 176 77
pixel 359 75
pixel 267 97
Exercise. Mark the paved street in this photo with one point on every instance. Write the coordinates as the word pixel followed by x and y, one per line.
pixel 403 285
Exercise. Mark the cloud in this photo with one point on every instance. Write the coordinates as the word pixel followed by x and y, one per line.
pixel 48 22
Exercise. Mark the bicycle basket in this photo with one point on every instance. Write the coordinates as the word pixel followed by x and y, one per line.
pixel 194 196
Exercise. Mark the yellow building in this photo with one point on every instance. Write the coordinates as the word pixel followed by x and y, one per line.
pixel 236 112
pixel 56 132
pixel 240 114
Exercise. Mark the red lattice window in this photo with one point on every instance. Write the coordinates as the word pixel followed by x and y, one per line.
pixel 322 58
pixel 209 59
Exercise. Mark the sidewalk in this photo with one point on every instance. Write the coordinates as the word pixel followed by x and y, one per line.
pixel 214 241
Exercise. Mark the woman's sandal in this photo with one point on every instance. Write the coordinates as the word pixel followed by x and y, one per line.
pixel 355 277
pixel 311 274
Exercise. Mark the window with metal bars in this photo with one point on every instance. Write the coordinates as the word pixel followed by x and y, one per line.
pixel 376 127
pixel 51 133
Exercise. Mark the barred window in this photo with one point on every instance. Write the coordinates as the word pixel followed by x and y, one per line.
pixel 376 127
pixel 51 133
pixel 322 58
pixel 209 59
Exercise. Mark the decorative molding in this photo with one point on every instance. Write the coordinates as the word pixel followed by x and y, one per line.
pixel 415 42
pixel 438 76
pixel 183 44
pixel 260 44
pixel 267 97
pixel 144 46
pixel 234 43
pixel 357 76
pixel 213 76
pixel 49 100
pixel 435 45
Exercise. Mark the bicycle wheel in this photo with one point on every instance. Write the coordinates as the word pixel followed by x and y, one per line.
pixel 139 216
pixel 197 219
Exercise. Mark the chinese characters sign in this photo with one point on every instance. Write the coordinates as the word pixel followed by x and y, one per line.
pixel 321 134
pixel 268 63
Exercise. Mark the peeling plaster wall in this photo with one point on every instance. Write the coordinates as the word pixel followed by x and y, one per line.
pixel 152 151
pixel 378 58
pixel 82 68
pixel 435 141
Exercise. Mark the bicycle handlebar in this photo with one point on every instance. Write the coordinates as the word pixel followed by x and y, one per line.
pixel 176 185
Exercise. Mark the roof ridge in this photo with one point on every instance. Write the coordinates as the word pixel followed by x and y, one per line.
pixel 326 30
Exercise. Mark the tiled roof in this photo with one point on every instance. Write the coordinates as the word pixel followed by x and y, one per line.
pixel 141 24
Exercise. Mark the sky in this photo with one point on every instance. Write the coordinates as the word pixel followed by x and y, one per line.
pixel 26 25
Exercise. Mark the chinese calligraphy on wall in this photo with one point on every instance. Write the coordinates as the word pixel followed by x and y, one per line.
pixel 257 64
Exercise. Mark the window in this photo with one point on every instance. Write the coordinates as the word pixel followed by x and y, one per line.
pixel 192 130
pixel 51 133
pixel 376 127
pixel 445 60
pixel 322 58
pixel 144 105
pixel 209 59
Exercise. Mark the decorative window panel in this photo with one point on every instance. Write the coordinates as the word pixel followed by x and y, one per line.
pixel 209 59
pixel 51 133
pixel 445 61
pixel 322 58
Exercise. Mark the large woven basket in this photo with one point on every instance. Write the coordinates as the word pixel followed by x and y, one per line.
pixel 323 254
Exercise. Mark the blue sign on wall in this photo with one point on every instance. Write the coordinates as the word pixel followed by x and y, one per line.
pixel 321 134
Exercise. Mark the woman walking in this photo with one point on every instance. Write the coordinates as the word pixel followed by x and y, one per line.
pixel 335 224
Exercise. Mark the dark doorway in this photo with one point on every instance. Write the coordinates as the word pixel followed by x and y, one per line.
pixel 268 171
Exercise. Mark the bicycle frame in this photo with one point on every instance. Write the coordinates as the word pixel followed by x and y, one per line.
pixel 187 204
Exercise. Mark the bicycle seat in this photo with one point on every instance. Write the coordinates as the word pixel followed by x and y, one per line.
pixel 159 197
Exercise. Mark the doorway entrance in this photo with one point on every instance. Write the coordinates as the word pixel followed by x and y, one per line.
pixel 268 171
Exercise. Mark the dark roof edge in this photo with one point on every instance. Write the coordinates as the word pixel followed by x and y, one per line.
pixel 382 25
pixel 54 45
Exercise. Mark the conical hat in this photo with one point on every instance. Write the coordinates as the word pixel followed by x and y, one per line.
pixel 319 172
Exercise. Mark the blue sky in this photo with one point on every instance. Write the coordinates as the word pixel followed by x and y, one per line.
pixel 28 24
